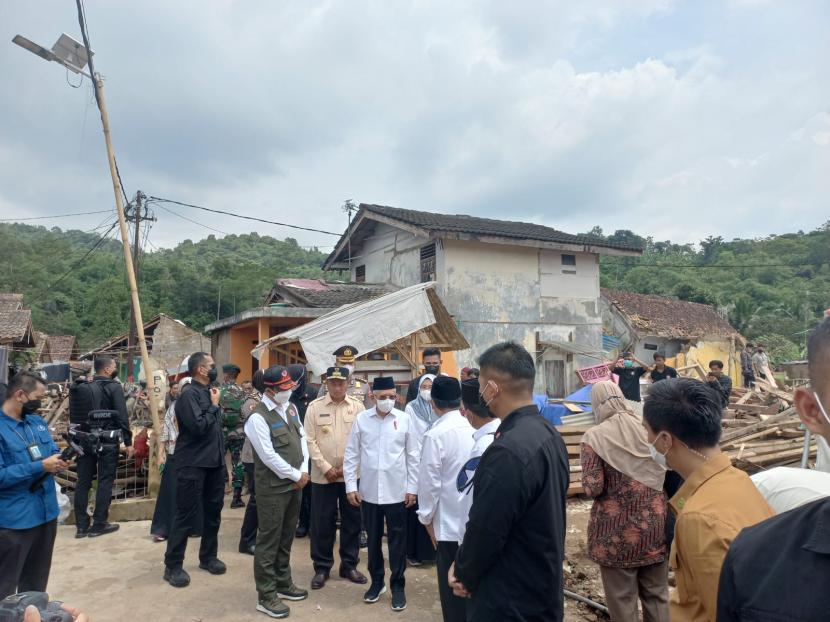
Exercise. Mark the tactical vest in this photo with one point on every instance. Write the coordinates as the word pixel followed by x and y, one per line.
pixel 286 440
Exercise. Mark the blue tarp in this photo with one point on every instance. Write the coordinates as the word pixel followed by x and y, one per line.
pixel 555 412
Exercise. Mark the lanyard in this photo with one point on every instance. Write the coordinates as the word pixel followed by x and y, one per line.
pixel 21 436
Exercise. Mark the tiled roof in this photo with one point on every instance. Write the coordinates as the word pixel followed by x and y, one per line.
pixel 11 302
pixel 315 293
pixel 14 325
pixel 60 347
pixel 40 340
pixel 669 317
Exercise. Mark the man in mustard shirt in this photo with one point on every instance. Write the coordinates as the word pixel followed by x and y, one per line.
pixel 682 417
pixel 328 422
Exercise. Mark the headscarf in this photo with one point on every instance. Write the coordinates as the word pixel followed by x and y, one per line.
pixel 421 407
pixel 619 437
pixel 298 395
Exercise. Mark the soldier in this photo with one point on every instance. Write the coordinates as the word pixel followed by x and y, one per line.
pixel 231 399
pixel 358 385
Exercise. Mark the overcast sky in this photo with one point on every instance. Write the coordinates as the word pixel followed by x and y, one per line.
pixel 674 119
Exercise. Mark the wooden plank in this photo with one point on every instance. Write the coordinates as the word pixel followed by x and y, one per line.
pixel 755 427
pixel 759 409
pixel 760 434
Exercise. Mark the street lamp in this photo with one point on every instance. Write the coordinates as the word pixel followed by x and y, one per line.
pixel 66 51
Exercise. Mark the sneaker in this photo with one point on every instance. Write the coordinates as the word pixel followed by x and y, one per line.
pixel 292 593
pixel 176 577
pixel 273 608
pixel 214 566
pixel 81 532
pixel 102 530
pixel 374 592
pixel 398 600
pixel 414 563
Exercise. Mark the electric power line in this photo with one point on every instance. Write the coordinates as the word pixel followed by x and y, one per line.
pixel 763 265
pixel 100 211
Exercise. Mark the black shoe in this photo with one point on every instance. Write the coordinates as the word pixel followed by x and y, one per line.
pixel 398 600
pixel 374 592
pixel 353 575
pixel 319 580
pixel 273 608
pixel 302 531
pixel 237 501
pixel 214 566
pixel 176 577
pixel 364 540
pixel 102 530
pixel 247 550
pixel 292 593
pixel 81 532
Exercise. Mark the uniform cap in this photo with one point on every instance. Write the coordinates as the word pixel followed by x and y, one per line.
pixel 470 391
pixel 446 388
pixel 337 373
pixel 277 377
pixel 347 354
pixel 382 383
pixel 230 368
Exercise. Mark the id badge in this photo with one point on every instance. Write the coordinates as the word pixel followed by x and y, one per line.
pixel 34 452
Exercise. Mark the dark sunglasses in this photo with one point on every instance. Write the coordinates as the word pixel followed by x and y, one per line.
pixel 464 481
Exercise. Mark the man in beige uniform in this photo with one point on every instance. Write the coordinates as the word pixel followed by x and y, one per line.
pixel 358 386
pixel 328 422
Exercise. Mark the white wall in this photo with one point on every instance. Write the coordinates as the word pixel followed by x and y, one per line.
pixel 557 281
pixel 391 256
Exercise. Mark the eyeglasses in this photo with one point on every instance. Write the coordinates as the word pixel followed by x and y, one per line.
pixel 464 481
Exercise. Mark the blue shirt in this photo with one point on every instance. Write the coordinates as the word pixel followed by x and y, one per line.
pixel 19 508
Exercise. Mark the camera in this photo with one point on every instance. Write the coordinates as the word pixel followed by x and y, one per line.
pixel 13 607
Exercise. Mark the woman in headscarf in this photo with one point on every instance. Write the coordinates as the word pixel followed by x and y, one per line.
pixel 627 527
pixel 419 547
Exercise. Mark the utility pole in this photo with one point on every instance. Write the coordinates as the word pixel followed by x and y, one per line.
pixel 138 217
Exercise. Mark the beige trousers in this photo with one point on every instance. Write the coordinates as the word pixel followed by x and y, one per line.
pixel 623 586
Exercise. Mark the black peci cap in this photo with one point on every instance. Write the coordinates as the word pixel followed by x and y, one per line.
pixel 470 392
pixel 382 383
pixel 446 388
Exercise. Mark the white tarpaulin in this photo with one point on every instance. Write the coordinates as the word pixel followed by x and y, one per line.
pixel 365 325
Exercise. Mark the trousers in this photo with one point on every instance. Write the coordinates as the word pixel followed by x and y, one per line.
pixel 453 608
pixel 623 586
pixel 26 558
pixel 395 515
pixel 278 514
pixel 325 501
pixel 105 466
pixel 196 487
pixel 250 524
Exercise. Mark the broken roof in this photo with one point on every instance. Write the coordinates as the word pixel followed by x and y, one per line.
pixel 15 321
pixel 669 317
pixel 315 293
pixel 462 227
pixel 60 348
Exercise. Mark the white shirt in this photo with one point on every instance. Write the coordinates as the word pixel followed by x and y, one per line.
pixel 445 449
pixel 786 488
pixel 482 438
pixel 259 433
pixel 383 452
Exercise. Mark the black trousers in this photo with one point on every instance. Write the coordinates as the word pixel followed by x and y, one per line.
pixel 305 508
pixel 104 466
pixel 250 524
pixel 165 510
pixel 453 607
pixel 26 558
pixel 195 484
pixel 749 380
pixel 395 515
pixel 418 543
pixel 325 501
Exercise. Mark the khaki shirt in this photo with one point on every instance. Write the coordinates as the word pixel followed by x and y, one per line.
pixel 712 507
pixel 327 427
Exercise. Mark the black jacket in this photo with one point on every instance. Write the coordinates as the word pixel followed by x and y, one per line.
pixel 778 569
pixel 511 557
pixel 200 442
pixel 113 399
pixel 723 387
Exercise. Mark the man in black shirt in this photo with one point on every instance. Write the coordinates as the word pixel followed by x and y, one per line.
pixel 510 562
pixel 661 371
pixel 719 381
pixel 109 396
pixel 629 372
pixel 777 569
pixel 432 365
pixel 200 461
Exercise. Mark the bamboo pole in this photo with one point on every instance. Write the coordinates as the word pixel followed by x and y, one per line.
pixel 155 476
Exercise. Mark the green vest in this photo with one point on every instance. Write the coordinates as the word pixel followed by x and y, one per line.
pixel 286 439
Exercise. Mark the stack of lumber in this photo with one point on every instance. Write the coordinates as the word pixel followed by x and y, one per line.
pixel 572 435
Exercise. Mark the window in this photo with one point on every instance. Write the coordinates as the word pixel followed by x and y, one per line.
pixel 428 263
pixel 650 346
pixel 569 260
pixel 360 274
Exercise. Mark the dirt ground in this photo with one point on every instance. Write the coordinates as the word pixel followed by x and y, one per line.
pixel 119 577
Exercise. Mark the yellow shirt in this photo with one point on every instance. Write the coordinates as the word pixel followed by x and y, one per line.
pixel 327 428
pixel 712 507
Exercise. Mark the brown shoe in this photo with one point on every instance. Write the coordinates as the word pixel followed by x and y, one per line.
pixel 353 575
pixel 319 580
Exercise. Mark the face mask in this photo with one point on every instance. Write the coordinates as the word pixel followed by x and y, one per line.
pixel 432 369
pixel 31 407
pixel 657 456
pixel 282 397
pixel 426 394
pixel 628 363
pixel 212 375
pixel 483 400
pixel 385 405
pixel 114 374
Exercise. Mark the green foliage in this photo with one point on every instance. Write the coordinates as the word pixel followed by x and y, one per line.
pixel 777 288
pixel 92 301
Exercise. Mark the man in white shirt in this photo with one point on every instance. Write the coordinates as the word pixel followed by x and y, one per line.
pixel 280 472
pixel 383 452
pixel 485 424
pixel 786 488
pixel 445 448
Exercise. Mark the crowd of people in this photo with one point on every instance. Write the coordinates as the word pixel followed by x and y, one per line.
pixel 465 474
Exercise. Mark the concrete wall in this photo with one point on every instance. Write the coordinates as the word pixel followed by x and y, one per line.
pixel 173 341
pixel 391 256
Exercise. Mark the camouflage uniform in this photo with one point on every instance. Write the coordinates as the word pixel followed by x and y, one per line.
pixel 231 399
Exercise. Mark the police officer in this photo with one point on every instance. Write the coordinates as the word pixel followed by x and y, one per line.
pixel 345 356
pixel 107 394
pixel 231 398
pixel 280 472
